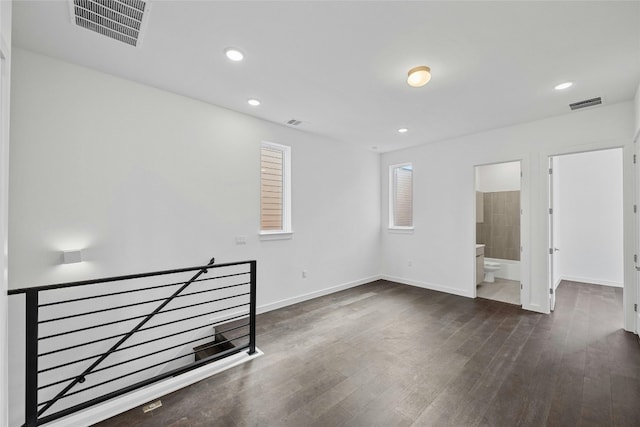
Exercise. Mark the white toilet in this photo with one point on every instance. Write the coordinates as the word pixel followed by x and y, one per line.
pixel 489 270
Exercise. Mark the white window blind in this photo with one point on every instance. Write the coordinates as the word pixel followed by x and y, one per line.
pixel 401 196
pixel 274 188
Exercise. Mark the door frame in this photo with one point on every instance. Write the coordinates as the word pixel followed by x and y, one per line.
pixel 630 291
pixel 524 227
pixel 636 202
pixel 552 242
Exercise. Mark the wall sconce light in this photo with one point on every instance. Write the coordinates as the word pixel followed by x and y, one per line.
pixel 71 257
pixel 419 76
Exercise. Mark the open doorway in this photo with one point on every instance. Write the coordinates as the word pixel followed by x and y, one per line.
pixel 586 250
pixel 498 232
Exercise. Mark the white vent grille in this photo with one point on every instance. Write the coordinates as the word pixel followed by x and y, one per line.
pixel 586 103
pixel 294 122
pixel 121 20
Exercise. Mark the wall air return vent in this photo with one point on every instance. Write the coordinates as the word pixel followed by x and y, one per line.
pixel 294 122
pixel 122 20
pixel 586 103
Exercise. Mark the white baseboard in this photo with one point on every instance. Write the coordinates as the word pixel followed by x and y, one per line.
pixel 139 397
pixel 592 281
pixel 300 298
pixel 431 286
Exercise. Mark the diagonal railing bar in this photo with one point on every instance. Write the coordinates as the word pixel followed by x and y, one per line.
pixel 81 378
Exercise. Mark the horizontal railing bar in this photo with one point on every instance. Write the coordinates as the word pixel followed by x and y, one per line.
pixel 87 313
pixel 125 277
pixel 129 318
pixel 135 358
pixel 131 373
pixel 111 395
pixel 136 345
pixel 141 289
pixel 215 289
pixel 140 330
pixel 201 315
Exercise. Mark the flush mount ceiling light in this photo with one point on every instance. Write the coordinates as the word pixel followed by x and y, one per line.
pixel 403 130
pixel 233 54
pixel 563 86
pixel 253 102
pixel 419 76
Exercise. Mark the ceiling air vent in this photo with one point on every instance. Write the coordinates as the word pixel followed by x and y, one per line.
pixel 586 103
pixel 294 122
pixel 122 20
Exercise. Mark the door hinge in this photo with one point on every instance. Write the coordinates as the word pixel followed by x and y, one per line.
pixel 551 291
pixel 634 160
pixel 550 251
pixel 520 286
pixel 550 211
pixel 635 208
pixel 635 307
pixel 550 171
pixel 521 172
pixel 635 258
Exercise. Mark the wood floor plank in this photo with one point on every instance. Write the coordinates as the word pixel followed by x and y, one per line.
pixel 385 354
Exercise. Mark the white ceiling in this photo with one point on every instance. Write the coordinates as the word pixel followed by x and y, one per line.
pixel 340 67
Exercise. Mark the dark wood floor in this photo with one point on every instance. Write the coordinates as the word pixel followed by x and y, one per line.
pixel 385 354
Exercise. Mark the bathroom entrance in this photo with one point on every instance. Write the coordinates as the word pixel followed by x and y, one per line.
pixel 586 235
pixel 498 231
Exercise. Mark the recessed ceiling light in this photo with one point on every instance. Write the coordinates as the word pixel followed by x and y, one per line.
pixel 253 102
pixel 403 130
pixel 233 54
pixel 562 86
pixel 419 76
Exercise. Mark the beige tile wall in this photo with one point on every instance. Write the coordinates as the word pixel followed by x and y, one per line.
pixel 500 231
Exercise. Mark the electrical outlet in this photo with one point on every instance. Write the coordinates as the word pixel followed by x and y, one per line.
pixel 241 240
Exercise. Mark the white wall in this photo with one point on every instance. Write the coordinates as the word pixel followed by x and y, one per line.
pixel 145 180
pixel 142 180
pixel 589 220
pixel 444 199
pixel 498 177
pixel 5 54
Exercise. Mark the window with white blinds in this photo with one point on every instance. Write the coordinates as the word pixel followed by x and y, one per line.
pixel 275 188
pixel 401 196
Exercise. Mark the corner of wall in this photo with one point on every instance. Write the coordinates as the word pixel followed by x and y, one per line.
pixel 5 86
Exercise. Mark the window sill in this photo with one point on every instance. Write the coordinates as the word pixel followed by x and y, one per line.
pixel 401 230
pixel 275 235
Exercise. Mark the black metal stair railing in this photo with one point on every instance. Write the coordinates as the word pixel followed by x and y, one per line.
pixel 76 348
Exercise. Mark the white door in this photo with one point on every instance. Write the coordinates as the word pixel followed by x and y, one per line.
pixel 636 201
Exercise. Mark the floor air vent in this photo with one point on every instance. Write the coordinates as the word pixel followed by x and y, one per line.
pixel 294 122
pixel 586 103
pixel 121 20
